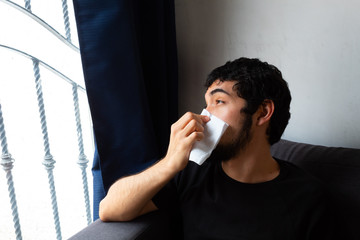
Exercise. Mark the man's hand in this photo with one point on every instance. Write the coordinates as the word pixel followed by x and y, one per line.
pixel 130 197
pixel 188 129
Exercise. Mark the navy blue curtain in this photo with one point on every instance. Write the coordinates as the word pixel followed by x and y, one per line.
pixel 128 51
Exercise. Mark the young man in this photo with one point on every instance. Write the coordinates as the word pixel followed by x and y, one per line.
pixel 241 191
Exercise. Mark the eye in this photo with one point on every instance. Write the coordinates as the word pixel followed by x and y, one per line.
pixel 219 101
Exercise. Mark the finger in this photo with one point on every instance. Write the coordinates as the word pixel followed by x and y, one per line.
pixel 185 119
pixel 199 136
pixel 204 118
pixel 194 136
pixel 192 126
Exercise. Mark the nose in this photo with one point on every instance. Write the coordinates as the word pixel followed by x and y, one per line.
pixel 208 108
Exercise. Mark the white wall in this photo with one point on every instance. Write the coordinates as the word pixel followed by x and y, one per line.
pixel 315 43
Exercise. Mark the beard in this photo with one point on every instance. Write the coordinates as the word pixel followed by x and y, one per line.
pixel 225 151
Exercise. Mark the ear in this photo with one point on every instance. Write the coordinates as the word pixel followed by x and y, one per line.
pixel 265 112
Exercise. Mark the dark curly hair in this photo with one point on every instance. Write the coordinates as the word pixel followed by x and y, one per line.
pixel 258 81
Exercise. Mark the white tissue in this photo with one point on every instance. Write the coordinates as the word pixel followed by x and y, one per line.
pixel 214 129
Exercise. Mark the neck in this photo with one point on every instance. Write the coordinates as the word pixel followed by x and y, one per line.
pixel 253 164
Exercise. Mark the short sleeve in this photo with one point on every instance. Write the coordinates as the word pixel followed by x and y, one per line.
pixel 167 197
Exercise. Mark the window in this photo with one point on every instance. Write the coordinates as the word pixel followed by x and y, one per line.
pixel 25 37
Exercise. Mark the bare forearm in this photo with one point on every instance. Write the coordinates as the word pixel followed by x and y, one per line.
pixel 131 196
pixel 128 196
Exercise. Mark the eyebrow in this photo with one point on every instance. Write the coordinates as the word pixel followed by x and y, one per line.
pixel 219 90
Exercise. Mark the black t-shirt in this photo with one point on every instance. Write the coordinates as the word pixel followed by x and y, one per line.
pixel 214 206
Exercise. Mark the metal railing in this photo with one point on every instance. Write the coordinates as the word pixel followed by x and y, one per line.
pixel 27 11
pixel 7 164
pixel 7 161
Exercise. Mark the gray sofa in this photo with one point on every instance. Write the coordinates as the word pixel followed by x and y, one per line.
pixel 339 168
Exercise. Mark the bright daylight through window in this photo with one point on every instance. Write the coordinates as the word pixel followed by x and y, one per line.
pixel 38 68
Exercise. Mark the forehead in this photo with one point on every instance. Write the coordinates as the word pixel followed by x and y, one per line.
pixel 226 87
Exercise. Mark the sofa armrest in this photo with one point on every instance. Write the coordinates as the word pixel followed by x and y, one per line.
pixel 149 226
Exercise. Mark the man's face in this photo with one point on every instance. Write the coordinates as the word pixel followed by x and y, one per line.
pixel 223 102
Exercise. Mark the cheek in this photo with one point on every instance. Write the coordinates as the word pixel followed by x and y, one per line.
pixel 235 122
pixel 230 117
pixel 229 135
pixel 229 113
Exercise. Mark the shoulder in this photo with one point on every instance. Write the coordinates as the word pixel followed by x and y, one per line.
pixel 194 176
pixel 308 200
pixel 193 173
pixel 294 173
pixel 299 184
pixel 190 177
